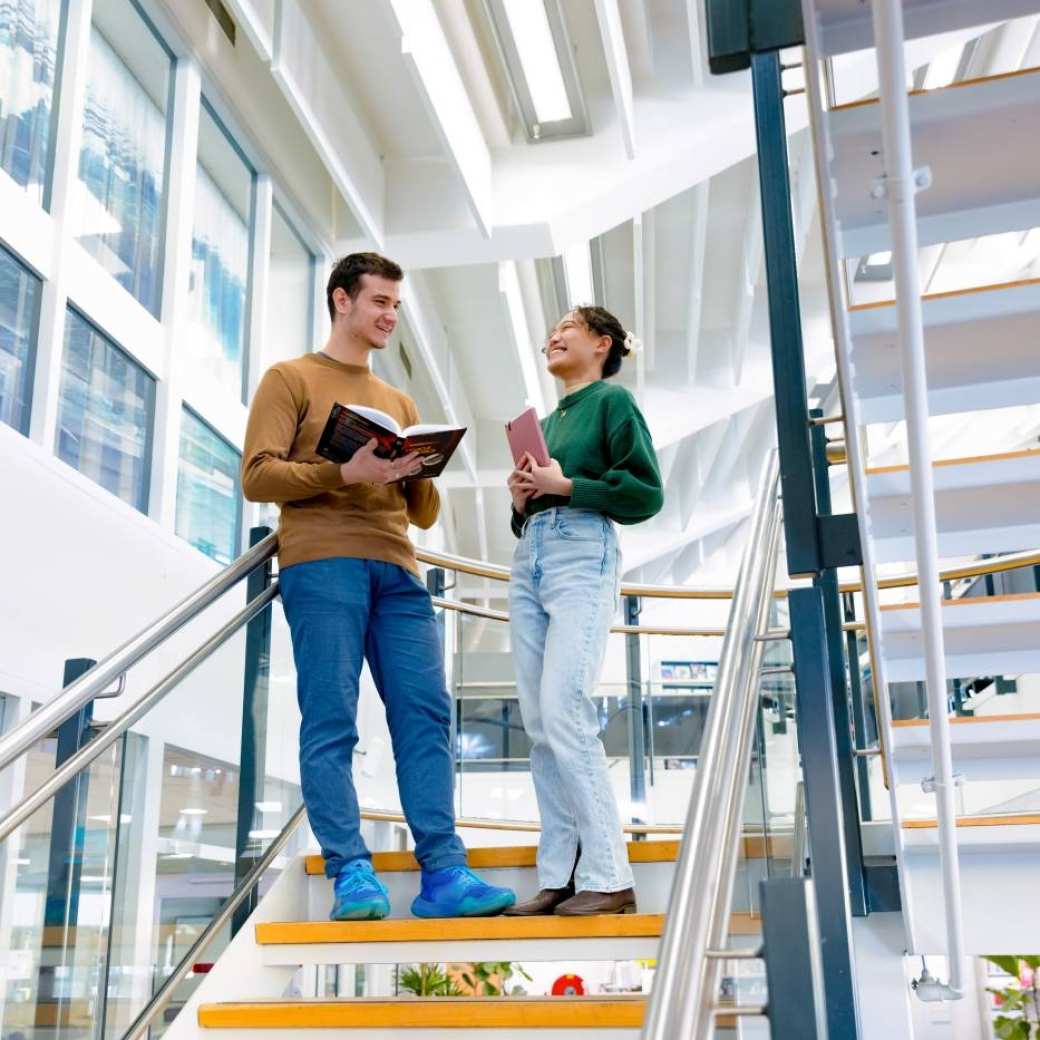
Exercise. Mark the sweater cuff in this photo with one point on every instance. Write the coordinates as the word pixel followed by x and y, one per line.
pixel 329 476
pixel 517 523
pixel 589 494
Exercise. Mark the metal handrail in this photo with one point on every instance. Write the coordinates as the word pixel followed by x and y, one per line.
pixel 685 986
pixel 16 816
pixel 92 684
pixel 163 995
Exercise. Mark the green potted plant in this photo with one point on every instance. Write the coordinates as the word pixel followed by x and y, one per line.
pixel 1019 1001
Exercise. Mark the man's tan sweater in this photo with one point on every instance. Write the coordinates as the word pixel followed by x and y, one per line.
pixel 320 516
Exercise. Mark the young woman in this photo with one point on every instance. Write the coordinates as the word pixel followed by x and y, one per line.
pixel 563 595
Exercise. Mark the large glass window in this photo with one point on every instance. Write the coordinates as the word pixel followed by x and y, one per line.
pixel 28 56
pixel 105 416
pixel 290 292
pixel 219 257
pixel 123 159
pixel 208 500
pixel 19 307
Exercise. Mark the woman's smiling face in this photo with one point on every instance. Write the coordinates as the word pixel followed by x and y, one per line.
pixel 573 348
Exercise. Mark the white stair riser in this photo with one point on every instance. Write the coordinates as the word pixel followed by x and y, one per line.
pixel 1004 750
pixel 653 884
pixel 569 950
pixel 1000 904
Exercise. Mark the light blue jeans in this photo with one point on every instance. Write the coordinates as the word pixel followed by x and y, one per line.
pixel 562 597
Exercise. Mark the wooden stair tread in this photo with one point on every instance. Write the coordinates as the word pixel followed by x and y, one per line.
pixel 969 720
pixel 947 294
pixel 611 1012
pixel 753 846
pixel 460 928
pixel 1010 820
pixel 968 601
pixel 967 460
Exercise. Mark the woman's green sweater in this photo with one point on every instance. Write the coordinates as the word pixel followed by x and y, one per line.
pixel 601 441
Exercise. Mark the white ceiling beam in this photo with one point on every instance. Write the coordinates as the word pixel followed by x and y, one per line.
pixel 311 85
pixel 428 330
pixel 616 53
pixel 520 335
pixel 249 18
pixel 429 57
pixel 641 547
pixel 698 249
pixel 698 57
pixel 747 282
pixel 645 245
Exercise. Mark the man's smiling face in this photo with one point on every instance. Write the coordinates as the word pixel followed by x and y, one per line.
pixel 372 317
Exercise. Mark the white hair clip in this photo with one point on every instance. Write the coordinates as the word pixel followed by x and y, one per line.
pixel 632 344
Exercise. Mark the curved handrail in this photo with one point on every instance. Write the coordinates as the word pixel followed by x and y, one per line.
pixel 994 565
pixel 91 684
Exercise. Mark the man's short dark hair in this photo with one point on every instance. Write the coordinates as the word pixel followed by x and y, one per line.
pixel 347 274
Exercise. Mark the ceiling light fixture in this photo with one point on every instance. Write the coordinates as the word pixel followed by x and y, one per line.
pixel 536 51
pixel 529 25
pixel 194 812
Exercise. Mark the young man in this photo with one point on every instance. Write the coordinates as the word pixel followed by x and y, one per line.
pixel 351 590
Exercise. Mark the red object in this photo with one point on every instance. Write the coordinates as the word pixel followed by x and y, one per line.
pixel 201 968
pixel 569 986
pixel 525 435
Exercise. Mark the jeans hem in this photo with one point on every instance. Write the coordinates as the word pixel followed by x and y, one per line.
pixel 448 859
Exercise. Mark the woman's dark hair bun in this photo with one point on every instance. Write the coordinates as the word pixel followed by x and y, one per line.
pixel 601 322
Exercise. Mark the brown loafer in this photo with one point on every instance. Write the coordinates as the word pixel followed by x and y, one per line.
pixel 547 900
pixel 587 904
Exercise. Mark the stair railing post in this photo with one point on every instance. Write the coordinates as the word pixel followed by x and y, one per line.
pixel 636 729
pixel 253 747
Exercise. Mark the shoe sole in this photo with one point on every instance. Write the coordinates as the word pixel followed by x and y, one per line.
pixel 374 911
pixel 630 909
pixel 467 908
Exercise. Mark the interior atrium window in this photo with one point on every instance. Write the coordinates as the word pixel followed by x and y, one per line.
pixel 19 308
pixel 28 56
pixel 105 413
pixel 219 257
pixel 208 498
pixel 122 161
pixel 290 292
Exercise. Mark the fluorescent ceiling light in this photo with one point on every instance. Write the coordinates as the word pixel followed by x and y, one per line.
pixel 23 862
pixel 269 806
pixel 263 834
pixel 577 269
pixel 534 44
pixel 194 812
pixel 880 259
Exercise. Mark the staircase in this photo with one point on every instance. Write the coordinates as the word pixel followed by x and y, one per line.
pixel 980 347
pixel 245 990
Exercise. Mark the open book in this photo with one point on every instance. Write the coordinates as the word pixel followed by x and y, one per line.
pixel 352 426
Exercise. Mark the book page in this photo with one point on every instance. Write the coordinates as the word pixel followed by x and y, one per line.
pixel 388 422
pixel 421 428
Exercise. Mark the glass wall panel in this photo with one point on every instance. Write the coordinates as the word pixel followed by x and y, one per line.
pixel 219 258
pixel 28 56
pixel 105 413
pixel 208 499
pixel 19 309
pixel 123 158
pixel 290 293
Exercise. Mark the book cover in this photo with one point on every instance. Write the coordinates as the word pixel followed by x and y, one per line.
pixel 350 427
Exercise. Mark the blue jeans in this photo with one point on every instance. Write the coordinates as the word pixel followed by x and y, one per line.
pixel 341 611
pixel 562 597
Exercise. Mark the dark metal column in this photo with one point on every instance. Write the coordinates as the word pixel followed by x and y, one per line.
pixel 636 729
pixel 253 757
pixel 791 951
pixel 827 583
pixel 824 808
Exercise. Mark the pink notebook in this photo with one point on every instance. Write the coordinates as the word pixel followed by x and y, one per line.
pixel 525 434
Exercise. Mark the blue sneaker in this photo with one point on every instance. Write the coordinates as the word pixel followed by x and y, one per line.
pixel 458 892
pixel 358 894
